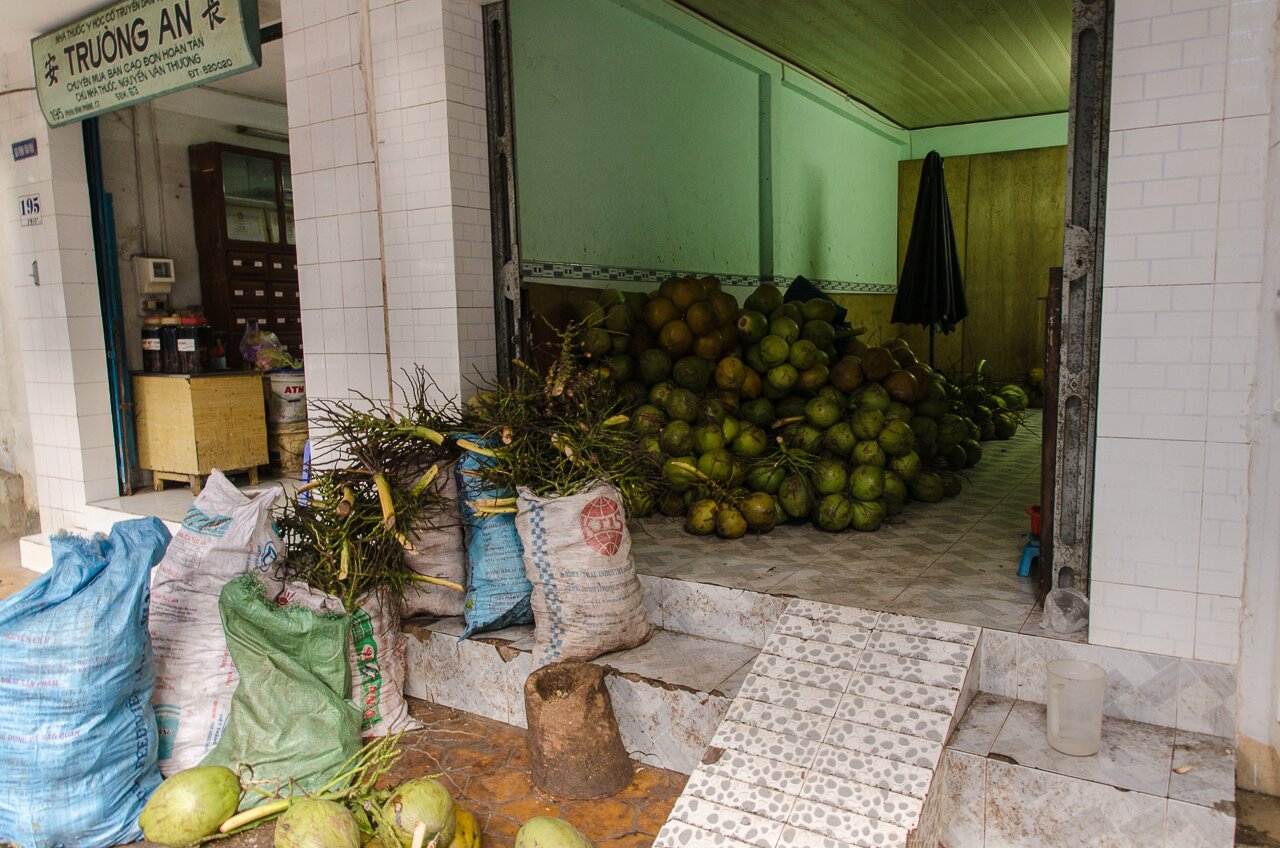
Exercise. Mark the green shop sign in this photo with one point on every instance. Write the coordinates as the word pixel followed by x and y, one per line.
pixel 139 49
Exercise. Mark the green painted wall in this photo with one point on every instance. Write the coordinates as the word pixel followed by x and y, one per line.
pixel 839 195
pixel 990 136
pixel 635 145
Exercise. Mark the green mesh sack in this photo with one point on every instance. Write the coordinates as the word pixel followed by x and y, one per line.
pixel 291 719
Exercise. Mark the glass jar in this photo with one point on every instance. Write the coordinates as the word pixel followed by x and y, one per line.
pixel 152 358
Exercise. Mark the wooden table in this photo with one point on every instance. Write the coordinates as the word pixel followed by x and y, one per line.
pixel 189 424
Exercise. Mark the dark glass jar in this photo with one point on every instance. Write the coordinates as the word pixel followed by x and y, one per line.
pixel 169 329
pixel 193 346
pixel 152 358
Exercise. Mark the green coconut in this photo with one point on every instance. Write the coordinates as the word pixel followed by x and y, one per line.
pixel 312 823
pixel 766 478
pixel 701 520
pixel 866 483
pixel 867 422
pixel 834 512
pixel 829 476
pixel 544 831
pixel 869 453
pixel 927 487
pixel 908 466
pixel 840 439
pixel 796 496
pixel 867 515
pixel 190 805
pixel 874 395
pixel 423 800
pixel 897 438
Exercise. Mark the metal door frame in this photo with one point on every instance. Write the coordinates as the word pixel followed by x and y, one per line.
pixel 1076 410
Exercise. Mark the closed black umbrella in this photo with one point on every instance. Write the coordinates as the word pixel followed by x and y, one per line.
pixel 931 291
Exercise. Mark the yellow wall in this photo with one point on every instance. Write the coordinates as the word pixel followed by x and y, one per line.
pixel 1008 212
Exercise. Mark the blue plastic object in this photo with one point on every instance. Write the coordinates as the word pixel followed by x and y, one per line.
pixel 77 733
pixel 498 593
pixel 1030 552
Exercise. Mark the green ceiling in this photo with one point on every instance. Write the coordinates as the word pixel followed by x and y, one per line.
pixel 921 63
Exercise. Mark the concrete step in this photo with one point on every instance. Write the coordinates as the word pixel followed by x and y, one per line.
pixel 1002 784
pixel 835 737
pixel 36 553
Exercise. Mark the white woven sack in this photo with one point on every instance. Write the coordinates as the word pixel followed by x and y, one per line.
pixel 224 534
pixel 587 600
pixel 439 550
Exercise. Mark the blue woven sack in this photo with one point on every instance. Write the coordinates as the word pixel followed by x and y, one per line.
pixel 497 589
pixel 77 733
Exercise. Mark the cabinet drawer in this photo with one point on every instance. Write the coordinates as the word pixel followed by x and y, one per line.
pixel 282 266
pixel 242 263
pixel 246 293
pixel 293 343
pixel 240 319
pixel 286 322
pixel 284 295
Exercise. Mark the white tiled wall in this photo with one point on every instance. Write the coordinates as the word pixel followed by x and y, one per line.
pixel 392 201
pixel 59 322
pixel 1182 289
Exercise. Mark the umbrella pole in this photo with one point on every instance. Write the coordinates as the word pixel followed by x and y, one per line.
pixel 931 365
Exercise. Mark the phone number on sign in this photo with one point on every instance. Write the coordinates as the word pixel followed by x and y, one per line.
pixel 211 68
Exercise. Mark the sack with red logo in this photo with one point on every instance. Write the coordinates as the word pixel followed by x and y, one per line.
pixel 376 655
pixel 587 600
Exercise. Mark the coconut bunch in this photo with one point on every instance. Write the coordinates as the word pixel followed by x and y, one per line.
pixel 371 491
pixel 561 432
pixel 784 402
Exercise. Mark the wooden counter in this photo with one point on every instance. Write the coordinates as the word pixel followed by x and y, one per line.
pixel 190 424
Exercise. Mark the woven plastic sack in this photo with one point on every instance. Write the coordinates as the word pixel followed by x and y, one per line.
pixel 439 550
pixel 224 534
pixel 587 600
pixel 375 656
pixel 77 734
pixel 497 589
pixel 291 717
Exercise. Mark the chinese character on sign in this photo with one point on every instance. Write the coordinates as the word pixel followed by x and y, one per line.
pixel 213 14
pixel 51 69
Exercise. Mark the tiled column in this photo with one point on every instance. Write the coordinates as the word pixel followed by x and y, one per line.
pixel 392 201
pixel 59 321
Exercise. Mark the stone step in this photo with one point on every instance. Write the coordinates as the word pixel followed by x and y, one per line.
pixel 1002 784
pixel 669 694
pixel 35 552
pixel 835 737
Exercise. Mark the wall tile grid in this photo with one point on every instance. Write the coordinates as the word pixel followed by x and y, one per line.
pixel 59 322
pixel 427 171
pixel 1182 288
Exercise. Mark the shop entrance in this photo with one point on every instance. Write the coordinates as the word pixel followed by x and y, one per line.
pixel 200 279
pixel 756 145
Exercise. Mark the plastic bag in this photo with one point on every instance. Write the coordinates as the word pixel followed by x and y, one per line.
pixel 224 534
pixel 291 717
pixel 1065 611
pixel 587 600
pixel 77 734
pixel 497 589
pixel 265 350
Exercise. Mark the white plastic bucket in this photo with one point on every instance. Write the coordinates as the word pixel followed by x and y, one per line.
pixel 1074 706
pixel 286 398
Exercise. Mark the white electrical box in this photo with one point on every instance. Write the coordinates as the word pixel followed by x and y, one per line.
pixel 154 274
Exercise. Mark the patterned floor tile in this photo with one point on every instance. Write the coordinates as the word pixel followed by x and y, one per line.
pixel 883 743
pixel 1203 769
pixel 981 724
pixel 736 824
pixel 870 801
pixel 849 827
pixel 818 611
pixel 752 798
pixel 756 770
pixel 921 648
pixel 902 778
pixel 785 693
pixel 799 671
pixel 914 671
pixel 679 834
pixel 830 632
pixel 782 719
pixel 938 699
pixel 895 717
pixel 928 628
pixel 793 647
pixel 734 736
pixel 793 838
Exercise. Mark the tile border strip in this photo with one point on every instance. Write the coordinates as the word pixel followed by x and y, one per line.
pixel 534 270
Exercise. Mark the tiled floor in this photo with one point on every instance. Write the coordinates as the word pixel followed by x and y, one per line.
pixel 172 503
pixel 834 736
pixel 955 560
pixel 486 768
pixel 13 576
pixel 1175 787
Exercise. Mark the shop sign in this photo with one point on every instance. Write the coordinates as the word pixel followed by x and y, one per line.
pixel 24 149
pixel 134 50
pixel 29 210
